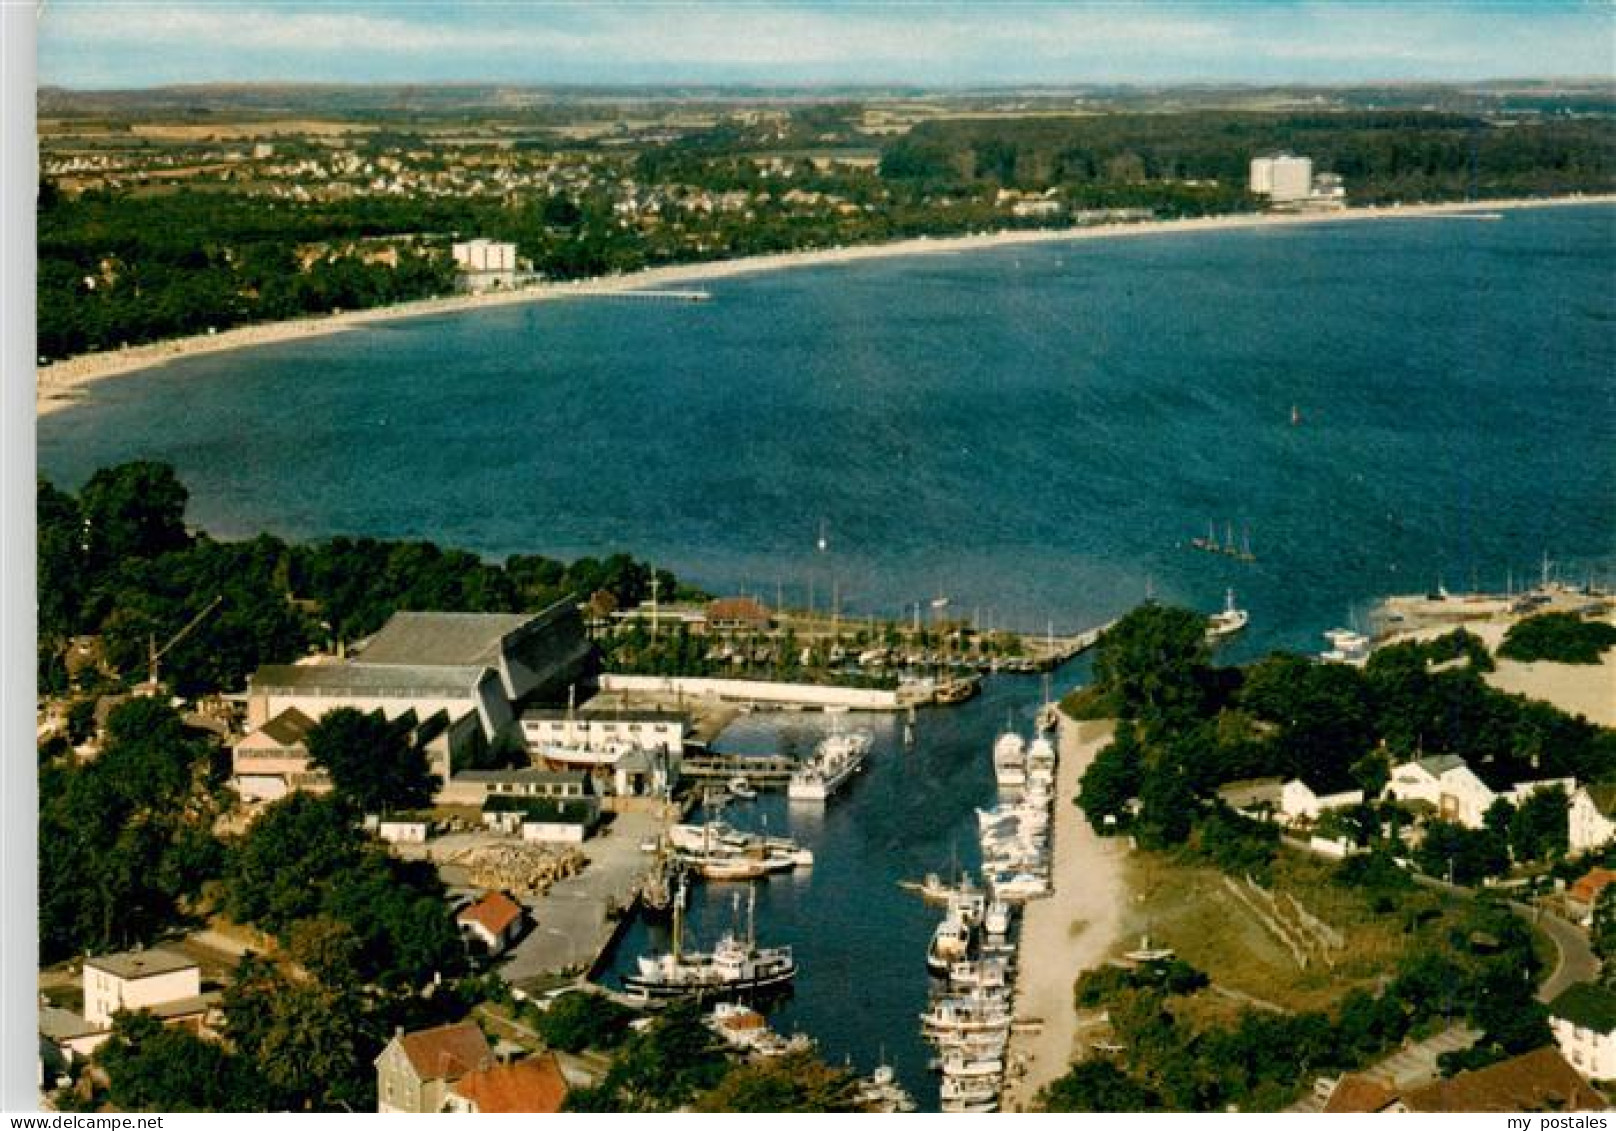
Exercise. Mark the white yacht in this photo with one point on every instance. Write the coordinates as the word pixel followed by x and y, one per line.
pixel 1346 647
pixel 837 758
pixel 1230 621
pixel 1010 760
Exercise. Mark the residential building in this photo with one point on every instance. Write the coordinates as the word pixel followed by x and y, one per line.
pixel 1282 177
pixel 1539 1081
pixel 273 760
pixel 1583 1020
pixel 494 920
pixel 459 663
pixel 416 1070
pixel 1448 784
pixel 485 264
pixel 536 1085
pixel 1592 818
pixel 142 979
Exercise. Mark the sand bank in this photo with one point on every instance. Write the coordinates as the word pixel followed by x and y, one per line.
pixel 63 382
pixel 1588 690
pixel 1073 930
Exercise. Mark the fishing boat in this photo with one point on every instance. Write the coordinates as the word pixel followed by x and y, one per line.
pixel 1230 621
pixel 1209 543
pixel 736 966
pixel 950 942
pixel 837 758
pixel 738 786
pixel 1010 760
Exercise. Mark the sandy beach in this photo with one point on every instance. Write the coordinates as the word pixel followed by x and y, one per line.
pixel 1071 931
pixel 63 382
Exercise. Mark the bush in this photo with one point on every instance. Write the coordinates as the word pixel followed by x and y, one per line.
pixel 1562 638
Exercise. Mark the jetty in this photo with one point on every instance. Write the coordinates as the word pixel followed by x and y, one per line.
pixel 646 295
pixel 766 770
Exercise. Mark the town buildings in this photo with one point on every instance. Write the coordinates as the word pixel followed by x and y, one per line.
pixel 1583 1020
pixel 485 264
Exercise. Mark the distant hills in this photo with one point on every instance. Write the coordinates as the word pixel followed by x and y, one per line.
pixel 1579 95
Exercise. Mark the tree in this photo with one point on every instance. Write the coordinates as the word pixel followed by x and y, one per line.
pixel 796 1082
pixel 1111 781
pixel 312 1042
pixel 134 510
pixel 153 1067
pixel 1539 828
pixel 579 1021
pixel 1152 660
pixel 373 761
pixel 1464 856
pixel 280 870
pixel 1563 638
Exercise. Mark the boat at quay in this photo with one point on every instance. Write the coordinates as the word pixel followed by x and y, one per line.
pixel 736 967
pixel 837 758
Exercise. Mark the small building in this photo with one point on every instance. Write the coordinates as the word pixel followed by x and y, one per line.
pixel 1583 1020
pixel 1301 799
pixel 1255 797
pixel 404 830
pixel 536 1085
pixel 1592 817
pixel 416 1070
pixel 474 787
pixel 738 614
pixel 70 1037
pixel 542 819
pixel 141 979
pixel 495 920
pixel 1583 895
pixel 485 264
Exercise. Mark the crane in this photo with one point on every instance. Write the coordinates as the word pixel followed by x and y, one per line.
pixel 156 653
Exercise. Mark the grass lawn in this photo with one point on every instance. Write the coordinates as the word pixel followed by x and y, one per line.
pixel 1188 907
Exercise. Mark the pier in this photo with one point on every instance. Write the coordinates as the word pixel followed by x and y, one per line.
pixel 758 770
pixel 648 295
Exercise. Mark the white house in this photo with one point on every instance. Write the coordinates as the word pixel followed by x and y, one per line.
pixel 139 979
pixel 1298 799
pixel 1583 1020
pixel 1592 817
pixel 485 264
pixel 1446 782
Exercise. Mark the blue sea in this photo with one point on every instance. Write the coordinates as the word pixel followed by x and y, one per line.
pixel 1034 433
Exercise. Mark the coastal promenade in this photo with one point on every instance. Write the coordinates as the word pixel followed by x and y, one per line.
pixel 59 384
pixel 1071 931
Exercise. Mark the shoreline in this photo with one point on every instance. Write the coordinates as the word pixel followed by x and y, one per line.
pixel 64 382
pixel 1073 930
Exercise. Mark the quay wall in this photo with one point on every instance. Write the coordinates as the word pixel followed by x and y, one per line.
pixel 759 691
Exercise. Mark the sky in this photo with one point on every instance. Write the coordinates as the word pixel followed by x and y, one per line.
pixel 108 44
